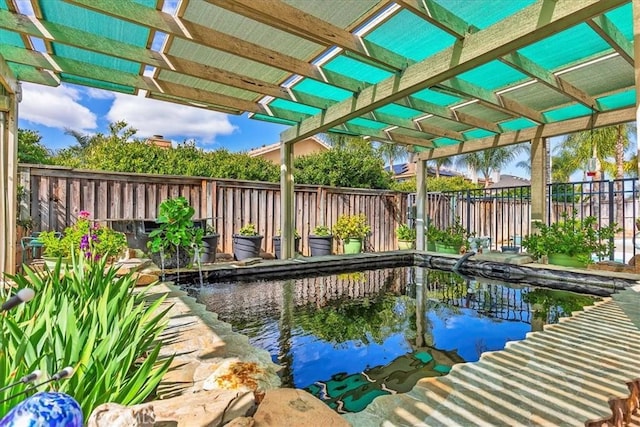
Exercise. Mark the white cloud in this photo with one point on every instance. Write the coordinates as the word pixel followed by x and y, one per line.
pixel 55 107
pixel 99 93
pixel 152 117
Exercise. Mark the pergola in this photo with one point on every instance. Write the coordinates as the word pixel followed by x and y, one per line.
pixel 443 76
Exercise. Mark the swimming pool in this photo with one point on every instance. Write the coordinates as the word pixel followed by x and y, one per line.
pixel 348 338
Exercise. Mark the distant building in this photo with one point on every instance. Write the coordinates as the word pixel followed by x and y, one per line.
pixel 506 181
pixel 307 146
pixel 159 141
pixel 405 171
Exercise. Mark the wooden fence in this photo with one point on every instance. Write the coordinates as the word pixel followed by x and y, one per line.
pixel 58 194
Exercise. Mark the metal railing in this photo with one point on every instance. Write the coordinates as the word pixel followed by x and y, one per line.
pixel 503 214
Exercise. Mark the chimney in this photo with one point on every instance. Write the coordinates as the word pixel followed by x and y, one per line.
pixel 159 141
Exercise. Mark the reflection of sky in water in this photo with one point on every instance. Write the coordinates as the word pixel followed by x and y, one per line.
pixel 315 360
pixel 470 334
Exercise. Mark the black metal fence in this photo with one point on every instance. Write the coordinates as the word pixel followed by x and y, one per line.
pixel 503 214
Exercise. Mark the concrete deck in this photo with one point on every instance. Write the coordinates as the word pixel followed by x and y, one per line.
pixel 583 371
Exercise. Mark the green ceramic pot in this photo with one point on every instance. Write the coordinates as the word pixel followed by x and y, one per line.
pixel 352 245
pixel 448 249
pixel 566 260
pixel 404 245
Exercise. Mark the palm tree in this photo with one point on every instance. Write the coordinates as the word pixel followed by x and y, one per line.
pixel 609 146
pixel 440 163
pixel 490 160
pixel 391 152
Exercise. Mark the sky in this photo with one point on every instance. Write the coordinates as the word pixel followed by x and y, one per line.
pixel 51 111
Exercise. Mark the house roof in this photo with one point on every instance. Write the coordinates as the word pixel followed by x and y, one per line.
pixel 469 74
pixel 276 146
pixel 506 181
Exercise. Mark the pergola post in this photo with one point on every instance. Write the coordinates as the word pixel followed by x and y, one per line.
pixel 421 203
pixel 9 98
pixel 636 66
pixel 539 180
pixel 286 200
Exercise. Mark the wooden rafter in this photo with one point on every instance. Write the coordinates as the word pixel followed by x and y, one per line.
pixel 130 11
pixel 530 68
pixel 490 99
pixel 543 131
pixel 447 113
pixel 387 136
pixel 439 16
pixel 613 36
pixel 414 125
pixel 535 22
pixel 294 21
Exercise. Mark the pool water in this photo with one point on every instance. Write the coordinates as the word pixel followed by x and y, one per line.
pixel 351 337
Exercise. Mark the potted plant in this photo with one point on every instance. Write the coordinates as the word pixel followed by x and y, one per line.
pixel 247 242
pixel 351 229
pixel 571 242
pixel 84 238
pixel 433 234
pixel 406 237
pixel 451 239
pixel 207 252
pixel 320 241
pixel 174 242
pixel 277 240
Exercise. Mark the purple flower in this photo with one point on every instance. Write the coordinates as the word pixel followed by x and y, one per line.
pixel 84 242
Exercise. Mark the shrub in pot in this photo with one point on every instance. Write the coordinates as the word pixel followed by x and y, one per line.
pixel 84 238
pixel 451 239
pixel 406 237
pixel 320 241
pixel 173 243
pixel 277 243
pixel 571 242
pixel 351 229
pixel 247 242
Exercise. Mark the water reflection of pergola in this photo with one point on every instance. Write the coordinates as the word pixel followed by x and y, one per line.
pixel 445 77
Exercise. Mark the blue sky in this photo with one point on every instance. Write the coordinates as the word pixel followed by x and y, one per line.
pixel 51 111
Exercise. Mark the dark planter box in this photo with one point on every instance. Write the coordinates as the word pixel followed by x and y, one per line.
pixel 320 245
pixel 246 246
pixel 208 250
pixel 180 259
pixel 276 246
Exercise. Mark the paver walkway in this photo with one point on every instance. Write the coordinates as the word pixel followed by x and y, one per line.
pixel 564 375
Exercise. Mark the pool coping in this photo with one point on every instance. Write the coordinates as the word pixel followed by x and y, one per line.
pixel 509 269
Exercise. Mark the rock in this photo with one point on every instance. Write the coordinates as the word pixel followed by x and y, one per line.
pixel 115 415
pixel 233 374
pixel 241 422
pixel 144 279
pixel 206 408
pixel 291 407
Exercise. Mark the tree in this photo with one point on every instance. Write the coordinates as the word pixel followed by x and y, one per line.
pixel 355 165
pixel 440 163
pixel 392 152
pixel 31 150
pixel 490 160
pixel 609 145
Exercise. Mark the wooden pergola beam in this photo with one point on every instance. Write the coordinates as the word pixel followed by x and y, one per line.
pixel 280 15
pixel 538 21
pixel 438 16
pixel 386 136
pixel 447 113
pixel 543 131
pixel 557 83
pixel 135 13
pixel 414 125
pixel 463 88
pixel 613 36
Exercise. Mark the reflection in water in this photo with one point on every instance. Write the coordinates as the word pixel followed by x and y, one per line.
pixel 351 337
